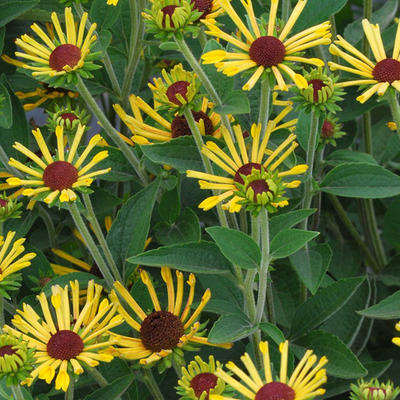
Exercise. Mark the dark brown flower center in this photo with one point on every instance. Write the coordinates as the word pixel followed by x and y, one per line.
pixel 205 6
pixel 267 51
pixel 3 203
pixel 245 170
pixel 64 345
pixel 180 87
pixel 275 391
pixel 168 10
pixel 180 126
pixel 7 349
pixel 161 330
pixel 317 85
pixel 65 54
pixel 387 70
pixel 203 382
pixel 327 129
pixel 259 186
pixel 60 175
pixel 68 116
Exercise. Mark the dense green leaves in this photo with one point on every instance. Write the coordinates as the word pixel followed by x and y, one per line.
pixel 235 102
pixel 289 241
pixel 240 249
pixel 104 15
pixel 388 308
pixel 324 304
pixel 113 390
pixel 5 107
pixel 287 220
pixel 10 10
pixel 361 180
pixel 198 257
pixel 391 224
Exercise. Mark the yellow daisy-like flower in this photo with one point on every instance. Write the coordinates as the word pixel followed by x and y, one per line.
pixel 305 382
pixel 161 331
pixel 207 120
pixel 59 56
pixel 74 338
pixel 381 74
pixel 57 176
pixel 240 165
pixel 263 48
pixel 175 89
pixel 396 340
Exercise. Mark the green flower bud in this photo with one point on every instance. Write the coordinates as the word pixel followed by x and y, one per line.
pixel 373 390
pixel 9 208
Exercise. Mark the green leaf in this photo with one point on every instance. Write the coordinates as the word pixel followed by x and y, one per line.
pixel 287 220
pixel 198 257
pixel 273 332
pixel 240 249
pixel 103 201
pixel 353 108
pixel 311 265
pixel 130 229
pixel 391 224
pixel 361 180
pixel 235 102
pixel 185 229
pixel 6 113
pixel 289 241
pixel 113 390
pixel 303 127
pixel 104 15
pixel 170 205
pixel 323 305
pixel 10 10
pixel 345 156
pixel 388 308
pixel 342 361
pixel 316 12
pixel 180 153
pixel 2 35
pixel 231 327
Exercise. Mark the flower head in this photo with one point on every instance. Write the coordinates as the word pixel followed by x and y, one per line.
pixel 11 262
pixel 198 380
pixel 16 359
pixel 57 176
pixel 331 130
pixel 178 89
pixel 263 48
pixel 373 390
pixel 54 59
pixel 161 332
pixel 9 207
pixel 378 75
pixel 69 117
pixel 305 382
pixel 210 9
pixel 246 184
pixel 74 338
pixel 164 129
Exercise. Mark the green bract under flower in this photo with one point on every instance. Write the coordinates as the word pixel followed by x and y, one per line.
pixel 373 390
pixel 168 17
pixel 321 95
pixel 331 130
pixel 16 359
pixel 9 208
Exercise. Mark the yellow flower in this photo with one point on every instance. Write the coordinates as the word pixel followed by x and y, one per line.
pixel 54 57
pixel 161 331
pixel 71 340
pixel 166 129
pixel 304 383
pixel 263 48
pixel 396 340
pixel 239 164
pixel 381 74
pixel 58 175
pixel 112 2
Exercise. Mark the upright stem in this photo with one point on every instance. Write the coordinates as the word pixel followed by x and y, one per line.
pixel 332 20
pixel 265 97
pixel 206 162
pixel 312 141
pixel 111 132
pixel 106 58
pixel 394 108
pixel 100 237
pixel 69 394
pixel 90 244
pixel 191 59
pixel 17 392
pixel 285 10
pixel 152 384
pixel 137 32
pixel 51 230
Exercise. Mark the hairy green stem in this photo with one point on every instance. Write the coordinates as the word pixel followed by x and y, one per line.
pixel 353 231
pixel 137 33
pixel 111 132
pixel 265 98
pixel 17 392
pixel 152 384
pixel 91 217
pixel 394 108
pixel 310 156
pixel 69 394
pixel 196 67
pixel 106 58
pixel 51 230
pixel 285 10
pixel 90 244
